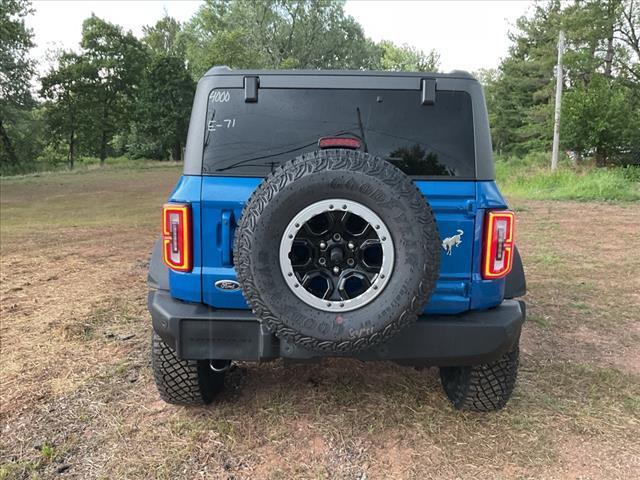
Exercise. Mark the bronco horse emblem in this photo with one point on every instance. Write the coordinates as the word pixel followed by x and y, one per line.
pixel 453 241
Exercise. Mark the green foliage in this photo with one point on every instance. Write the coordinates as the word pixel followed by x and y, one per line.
pixel 163 106
pixel 68 91
pixel 27 131
pixel 16 70
pixel 601 77
pixel 165 37
pixel 116 61
pixel 276 34
pixel 15 65
pixel 631 173
pixel 290 34
pixel 91 94
pixel 529 177
pixel 407 58
pixel 48 451
pixel 602 116
pixel 519 95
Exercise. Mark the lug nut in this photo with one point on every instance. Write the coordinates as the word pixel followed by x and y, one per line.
pixel 336 269
pixel 351 245
pixel 337 237
pixel 322 261
pixel 323 245
pixel 351 262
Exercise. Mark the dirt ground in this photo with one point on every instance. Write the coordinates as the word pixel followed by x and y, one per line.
pixel 78 399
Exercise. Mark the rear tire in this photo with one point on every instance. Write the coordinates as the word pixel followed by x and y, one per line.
pixel 183 382
pixel 482 388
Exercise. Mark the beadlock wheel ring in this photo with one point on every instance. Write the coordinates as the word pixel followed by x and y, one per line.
pixel 343 250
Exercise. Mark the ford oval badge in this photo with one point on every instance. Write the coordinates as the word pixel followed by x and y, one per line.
pixel 227 285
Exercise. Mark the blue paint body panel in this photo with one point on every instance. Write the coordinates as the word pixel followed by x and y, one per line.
pixel 217 204
pixel 220 196
pixel 453 203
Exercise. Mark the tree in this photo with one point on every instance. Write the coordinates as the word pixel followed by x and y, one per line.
pixel 604 93
pixel 301 34
pixel 521 111
pixel 601 44
pixel 601 117
pixel 68 111
pixel 627 34
pixel 276 34
pixel 210 38
pixel 163 105
pixel 407 58
pixel 164 37
pixel 16 70
pixel 114 62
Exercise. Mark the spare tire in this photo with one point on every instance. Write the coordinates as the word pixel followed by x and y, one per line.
pixel 337 251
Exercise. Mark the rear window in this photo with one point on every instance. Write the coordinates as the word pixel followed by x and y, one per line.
pixel 251 139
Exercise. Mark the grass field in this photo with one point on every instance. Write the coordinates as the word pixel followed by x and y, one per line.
pixel 530 177
pixel 77 395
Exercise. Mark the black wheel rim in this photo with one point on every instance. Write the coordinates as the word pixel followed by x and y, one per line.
pixel 337 255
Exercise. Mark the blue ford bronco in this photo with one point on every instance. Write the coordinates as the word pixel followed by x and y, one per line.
pixel 337 214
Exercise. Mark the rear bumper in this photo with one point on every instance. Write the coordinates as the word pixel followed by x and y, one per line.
pixel 197 331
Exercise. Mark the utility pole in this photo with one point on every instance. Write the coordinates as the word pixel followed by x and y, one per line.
pixel 556 123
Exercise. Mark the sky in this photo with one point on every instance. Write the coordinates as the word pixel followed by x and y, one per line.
pixel 468 34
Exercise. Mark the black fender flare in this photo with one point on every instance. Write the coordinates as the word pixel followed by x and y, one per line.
pixel 158 276
pixel 516 285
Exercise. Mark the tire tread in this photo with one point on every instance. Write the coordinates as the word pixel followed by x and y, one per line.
pixel 482 388
pixel 181 382
pixel 348 160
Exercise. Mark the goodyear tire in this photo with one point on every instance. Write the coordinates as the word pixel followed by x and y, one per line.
pixel 369 239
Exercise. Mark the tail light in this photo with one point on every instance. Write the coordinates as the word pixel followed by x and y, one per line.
pixel 498 244
pixel 176 236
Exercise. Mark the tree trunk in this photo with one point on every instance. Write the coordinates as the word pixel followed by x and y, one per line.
pixel 601 158
pixel 72 140
pixel 177 151
pixel 72 148
pixel 11 153
pixel 103 133
pixel 608 58
pixel 103 147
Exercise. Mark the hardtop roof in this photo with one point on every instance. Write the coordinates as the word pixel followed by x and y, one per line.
pixel 224 70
